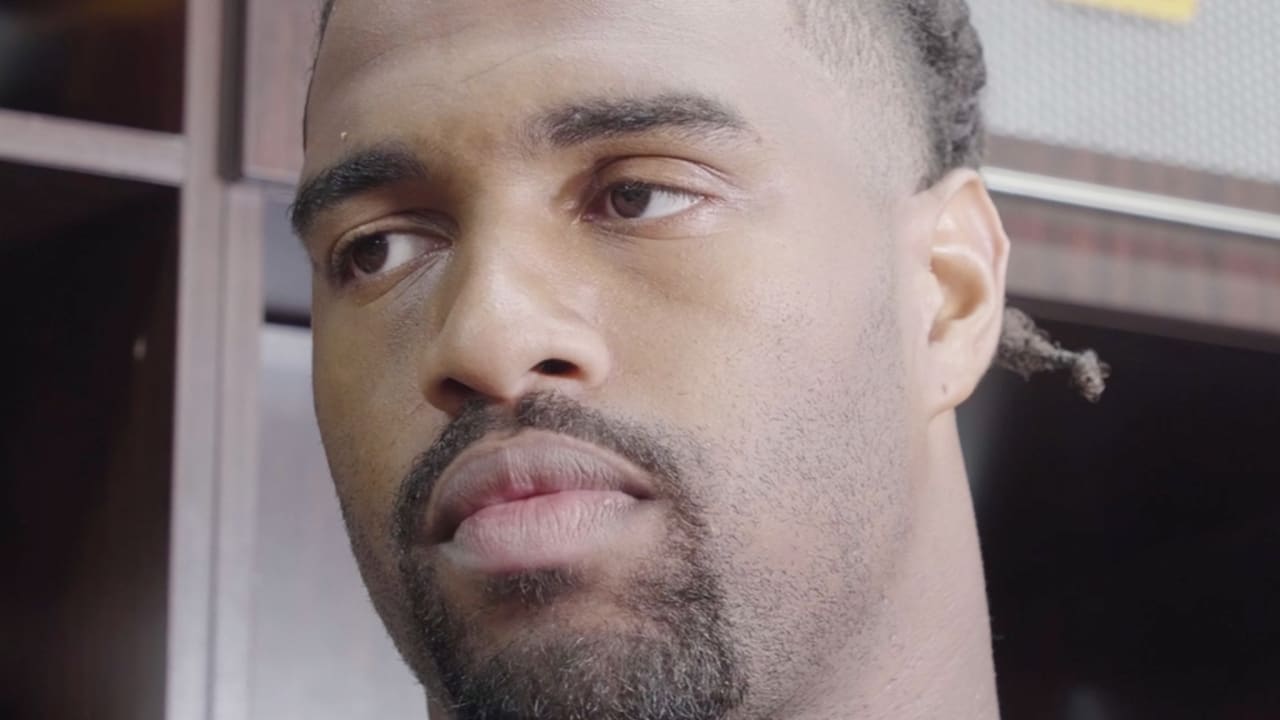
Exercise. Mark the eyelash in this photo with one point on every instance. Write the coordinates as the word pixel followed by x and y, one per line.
pixel 340 268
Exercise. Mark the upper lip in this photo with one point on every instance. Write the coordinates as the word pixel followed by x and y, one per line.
pixel 529 464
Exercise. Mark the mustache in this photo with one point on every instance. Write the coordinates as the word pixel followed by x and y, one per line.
pixel 549 412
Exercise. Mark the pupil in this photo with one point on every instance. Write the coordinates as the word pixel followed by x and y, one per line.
pixel 631 201
pixel 370 254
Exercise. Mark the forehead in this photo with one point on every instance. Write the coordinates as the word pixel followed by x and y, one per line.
pixel 451 40
pixel 472 66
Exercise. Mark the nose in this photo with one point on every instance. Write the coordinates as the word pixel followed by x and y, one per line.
pixel 510 330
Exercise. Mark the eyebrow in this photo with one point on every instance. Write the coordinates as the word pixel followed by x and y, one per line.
pixel 605 118
pixel 565 126
pixel 358 173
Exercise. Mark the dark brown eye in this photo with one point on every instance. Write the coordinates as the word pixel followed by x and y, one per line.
pixel 638 201
pixel 380 253
pixel 630 201
pixel 369 255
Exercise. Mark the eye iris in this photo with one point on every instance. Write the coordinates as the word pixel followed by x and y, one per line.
pixel 630 201
pixel 370 254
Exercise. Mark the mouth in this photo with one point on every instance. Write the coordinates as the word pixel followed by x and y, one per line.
pixel 533 501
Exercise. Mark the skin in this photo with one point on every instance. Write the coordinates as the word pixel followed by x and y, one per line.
pixel 806 323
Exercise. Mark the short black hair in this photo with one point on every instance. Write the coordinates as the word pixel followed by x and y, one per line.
pixel 953 73
pixel 945 62
pixel 933 50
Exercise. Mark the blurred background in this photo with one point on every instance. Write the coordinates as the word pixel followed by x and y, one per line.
pixel 172 544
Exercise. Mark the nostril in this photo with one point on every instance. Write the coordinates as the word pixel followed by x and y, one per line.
pixel 557 368
pixel 455 391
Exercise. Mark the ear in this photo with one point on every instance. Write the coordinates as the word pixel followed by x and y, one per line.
pixel 967 253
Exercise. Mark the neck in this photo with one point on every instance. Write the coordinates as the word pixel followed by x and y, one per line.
pixel 929 655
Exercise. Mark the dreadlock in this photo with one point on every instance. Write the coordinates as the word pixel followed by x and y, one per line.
pixel 945 65
pixel 1026 350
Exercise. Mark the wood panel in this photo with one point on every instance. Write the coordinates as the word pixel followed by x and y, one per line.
pixel 203 357
pixel 93 148
pixel 112 62
pixel 280 41
pixel 1131 174
pixel 238 473
pixel 1114 263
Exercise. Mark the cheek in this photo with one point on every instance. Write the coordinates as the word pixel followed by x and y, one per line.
pixel 365 408
pixel 786 365
pixel 809 417
pixel 752 325
pixel 807 502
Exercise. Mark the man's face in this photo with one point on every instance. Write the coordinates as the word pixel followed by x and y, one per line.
pixel 609 360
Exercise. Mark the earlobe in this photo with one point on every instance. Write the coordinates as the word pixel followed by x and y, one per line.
pixel 968 255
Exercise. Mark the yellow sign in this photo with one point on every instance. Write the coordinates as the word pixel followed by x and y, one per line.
pixel 1180 11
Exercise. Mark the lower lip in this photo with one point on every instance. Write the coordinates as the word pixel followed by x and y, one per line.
pixel 544 531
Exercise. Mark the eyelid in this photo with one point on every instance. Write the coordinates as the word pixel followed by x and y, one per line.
pixel 671 174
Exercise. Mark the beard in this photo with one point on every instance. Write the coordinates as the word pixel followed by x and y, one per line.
pixel 671 658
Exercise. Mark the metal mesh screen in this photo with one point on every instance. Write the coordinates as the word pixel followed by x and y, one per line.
pixel 1204 95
